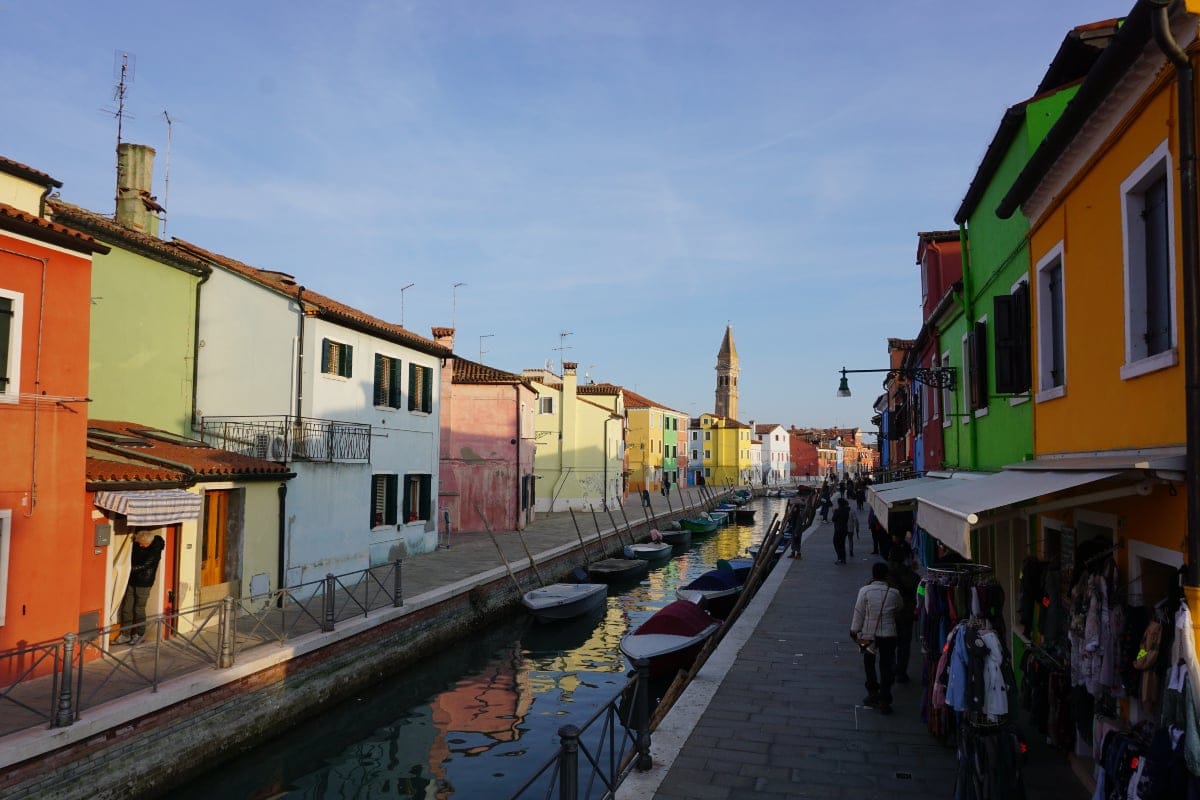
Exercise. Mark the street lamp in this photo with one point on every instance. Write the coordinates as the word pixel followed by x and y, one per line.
pixel 403 289
pixel 937 377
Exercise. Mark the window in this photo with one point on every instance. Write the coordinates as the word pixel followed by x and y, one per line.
pixel 420 388
pixel 417 489
pixel 978 363
pixel 383 499
pixel 337 358
pixel 5 536
pixel 545 405
pixel 707 472
pixel 707 436
pixel 947 404
pixel 1149 270
pixel 1051 333
pixel 1011 315
pixel 695 455
pixel 10 347
pixel 387 381
pixel 708 454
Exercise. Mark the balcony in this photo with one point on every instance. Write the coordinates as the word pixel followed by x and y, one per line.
pixel 285 438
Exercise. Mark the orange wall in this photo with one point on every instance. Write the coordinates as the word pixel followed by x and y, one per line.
pixel 43 486
pixel 1099 410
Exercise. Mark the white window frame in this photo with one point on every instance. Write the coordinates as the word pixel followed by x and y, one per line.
pixel 947 395
pixel 1044 339
pixel 1156 165
pixel 1024 398
pixel 12 393
pixel 965 377
pixel 5 538
pixel 545 402
pixel 983 411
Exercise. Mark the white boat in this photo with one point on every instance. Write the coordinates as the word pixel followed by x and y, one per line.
pixel 650 551
pixel 560 601
pixel 670 639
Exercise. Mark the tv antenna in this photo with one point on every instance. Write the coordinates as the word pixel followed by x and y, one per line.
pixel 124 67
pixel 561 347
pixel 167 177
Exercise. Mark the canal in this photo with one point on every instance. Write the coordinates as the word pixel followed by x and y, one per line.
pixel 477 720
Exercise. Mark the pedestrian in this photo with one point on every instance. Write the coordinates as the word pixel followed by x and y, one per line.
pixel 645 498
pixel 860 493
pixel 880 540
pixel 143 570
pixel 841 528
pixel 826 502
pixel 904 578
pixel 852 529
pixel 795 526
pixel 873 629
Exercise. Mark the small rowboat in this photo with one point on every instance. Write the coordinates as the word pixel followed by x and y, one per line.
pixel 671 639
pixel 677 538
pixel 560 601
pixel 745 516
pixel 705 524
pixel 651 551
pixel 715 591
pixel 618 570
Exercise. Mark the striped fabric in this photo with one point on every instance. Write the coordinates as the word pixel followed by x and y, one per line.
pixel 152 509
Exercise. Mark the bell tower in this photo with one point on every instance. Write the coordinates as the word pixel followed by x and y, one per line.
pixel 727 377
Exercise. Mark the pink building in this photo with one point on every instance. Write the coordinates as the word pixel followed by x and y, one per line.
pixel 486 478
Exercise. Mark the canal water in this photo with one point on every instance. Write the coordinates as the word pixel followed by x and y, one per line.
pixel 478 720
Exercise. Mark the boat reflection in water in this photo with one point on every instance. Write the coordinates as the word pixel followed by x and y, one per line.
pixel 480 717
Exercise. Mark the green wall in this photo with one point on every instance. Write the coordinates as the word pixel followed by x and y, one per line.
pixel 142 331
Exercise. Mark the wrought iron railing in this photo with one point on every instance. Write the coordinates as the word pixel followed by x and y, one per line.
pixel 613 742
pixel 287 438
pixel 54 683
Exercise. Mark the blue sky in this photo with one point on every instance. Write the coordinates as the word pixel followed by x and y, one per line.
pixel 638 174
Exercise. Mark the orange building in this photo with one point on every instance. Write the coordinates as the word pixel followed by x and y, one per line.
pixel 51 580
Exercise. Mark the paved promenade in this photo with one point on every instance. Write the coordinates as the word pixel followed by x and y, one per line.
pixel 776 711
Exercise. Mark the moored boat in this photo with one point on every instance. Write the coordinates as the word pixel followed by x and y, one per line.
pixel 560 601
pixel 671 639
pixel 715 591
pixel 618 570
pixel 745 516
pixel 650 551
pixel 678 538
pixel 702 524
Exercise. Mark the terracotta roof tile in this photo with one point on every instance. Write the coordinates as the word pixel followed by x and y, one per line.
pixel 635 400
pixel 206 462
pixel 318 305
pixel 28 173
pixel 17 221
pixel 102 468
pixel 466 371
pixel 608 389
pixel 147 245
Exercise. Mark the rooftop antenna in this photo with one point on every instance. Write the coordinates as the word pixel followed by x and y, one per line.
pixel 167 177
pixel 454 300
pixel 561 347
pixel 481 350
pixel 124 67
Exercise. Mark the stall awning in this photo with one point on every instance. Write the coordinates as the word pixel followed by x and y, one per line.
pixel 949 512
pixel 152 509
pixel 902 495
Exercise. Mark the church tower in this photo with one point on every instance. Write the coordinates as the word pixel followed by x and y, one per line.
pixel 727 377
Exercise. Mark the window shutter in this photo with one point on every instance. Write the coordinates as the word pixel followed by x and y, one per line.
pixel 394 384
pixel 6 323
pixel 346 362
pixel 407 498
pixel 981 363
pixel 326 348
pixel 427 390
pixel 413 388
pixel 1023 362
pixel 380 386
pixel 391 499
pixel 1003 312
pixel 426 488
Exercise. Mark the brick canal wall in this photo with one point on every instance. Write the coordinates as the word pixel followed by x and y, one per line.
pixel 154 753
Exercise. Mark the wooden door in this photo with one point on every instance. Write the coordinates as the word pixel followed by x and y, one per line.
pixel 213 540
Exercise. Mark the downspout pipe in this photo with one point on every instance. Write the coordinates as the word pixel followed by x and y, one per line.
pixel 300 356
pixel 1190 225
pixel 195 422
pixel 282 558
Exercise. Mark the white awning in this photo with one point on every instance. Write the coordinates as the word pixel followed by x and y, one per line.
pixel 900 495
pixel 948 512
pixel 154 508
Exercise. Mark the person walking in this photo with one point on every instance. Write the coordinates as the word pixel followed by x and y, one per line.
pixel 904 578
pixel 873 629
pixel 841 528
pixel 143 570
pixel 852 528
pixel 826 502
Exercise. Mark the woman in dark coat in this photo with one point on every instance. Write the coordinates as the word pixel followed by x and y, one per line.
pixel 841 528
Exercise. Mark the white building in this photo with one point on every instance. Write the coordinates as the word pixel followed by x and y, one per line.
pixel 775 458
pixel 348 400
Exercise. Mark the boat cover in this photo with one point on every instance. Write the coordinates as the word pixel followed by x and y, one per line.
pixel 679 618
pixel 715 579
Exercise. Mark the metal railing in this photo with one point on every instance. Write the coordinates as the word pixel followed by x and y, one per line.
pixel 611 749
pixel 288 438
pixel 54 683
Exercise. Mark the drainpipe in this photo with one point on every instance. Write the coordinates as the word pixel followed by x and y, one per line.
pixel 517 505
pixel 282 579
pixel 300 356
pixel 969 313
pixel 1161 25
pixel 607 420
pixel 196 351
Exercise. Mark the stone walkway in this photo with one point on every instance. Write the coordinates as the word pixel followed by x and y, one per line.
pixel 776 712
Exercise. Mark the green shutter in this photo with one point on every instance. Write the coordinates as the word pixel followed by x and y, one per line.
pixel 394 385
pixel 427 391
pixel 326 349
pixel 380 388
pixel 407 499
pixel 426 487
pixel 346 363
pixel 412 387
pixel 390 514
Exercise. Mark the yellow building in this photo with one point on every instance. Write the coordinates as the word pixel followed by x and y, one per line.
pixel 652 443
pixel 721 446
pixel 578 460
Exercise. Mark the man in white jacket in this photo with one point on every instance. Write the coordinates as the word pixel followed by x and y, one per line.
pixel 873 628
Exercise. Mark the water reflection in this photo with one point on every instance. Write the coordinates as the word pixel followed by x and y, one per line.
pixel 477 719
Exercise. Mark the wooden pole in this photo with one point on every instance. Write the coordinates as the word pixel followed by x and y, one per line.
pixel 529 555
pixel 579 533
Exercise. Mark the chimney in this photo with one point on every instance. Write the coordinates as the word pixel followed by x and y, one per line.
pixel 137 209
pixel 444 337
